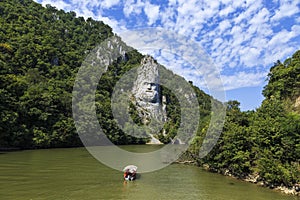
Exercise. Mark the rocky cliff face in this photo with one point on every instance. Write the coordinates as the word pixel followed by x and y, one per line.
pixel 146 92
pixel 109 51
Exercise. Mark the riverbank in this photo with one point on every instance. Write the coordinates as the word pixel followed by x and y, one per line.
pixel 252 178
pixel 7 149
pixel 255 179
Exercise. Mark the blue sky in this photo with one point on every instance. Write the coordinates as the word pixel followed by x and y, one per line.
pixel 243 38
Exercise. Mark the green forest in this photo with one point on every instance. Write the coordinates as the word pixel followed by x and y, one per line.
pixel 266 142
pixel 41 51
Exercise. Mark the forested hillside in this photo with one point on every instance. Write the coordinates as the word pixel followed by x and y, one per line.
pixel 263 145
pixel 41 52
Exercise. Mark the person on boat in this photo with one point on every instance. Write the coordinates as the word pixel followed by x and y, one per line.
pixel 132 176
pixel 128 176
pixel 125 175
pixel 130 172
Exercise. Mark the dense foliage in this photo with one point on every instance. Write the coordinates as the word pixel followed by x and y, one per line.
pixel 41 52
pixel 264 143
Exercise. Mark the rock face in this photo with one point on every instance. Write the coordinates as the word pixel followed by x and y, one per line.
pixel 297 103
pixel 146 92
pixel 110 50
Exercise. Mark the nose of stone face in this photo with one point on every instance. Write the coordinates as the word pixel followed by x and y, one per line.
pixel 149 86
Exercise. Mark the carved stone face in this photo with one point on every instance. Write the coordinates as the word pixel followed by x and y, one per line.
pixel 149 92
pixel 146 87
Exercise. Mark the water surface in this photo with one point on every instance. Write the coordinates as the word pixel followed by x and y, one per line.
pixel 75 174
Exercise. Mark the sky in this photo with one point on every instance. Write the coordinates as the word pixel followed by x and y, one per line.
pixel 243 38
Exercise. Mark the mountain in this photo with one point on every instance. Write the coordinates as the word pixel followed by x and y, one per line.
pixel 42 50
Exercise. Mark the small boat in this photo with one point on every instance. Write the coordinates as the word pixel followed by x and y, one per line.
pixel 130 172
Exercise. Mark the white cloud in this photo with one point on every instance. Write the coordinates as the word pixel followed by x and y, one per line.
pixel 286 9
pixel 274 55
pixel 186 8
pixel 224 25
pixel 132 7
pixel 243 79
pixel 226 11
pixel 152 12
pixel 279 46
pixel 284 36
pixel 109 3
pixel 217 42
pixel 295 30
pixel 249 56
pixel 261 17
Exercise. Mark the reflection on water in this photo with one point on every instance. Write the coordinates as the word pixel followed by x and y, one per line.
pixel 74 174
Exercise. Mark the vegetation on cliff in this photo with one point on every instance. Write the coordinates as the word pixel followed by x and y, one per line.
pixel 40 53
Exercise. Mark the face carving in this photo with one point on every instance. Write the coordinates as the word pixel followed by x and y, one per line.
pixel 146 86
pixel 146 91
pixel 149 92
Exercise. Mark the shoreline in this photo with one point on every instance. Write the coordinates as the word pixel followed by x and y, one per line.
pixel 4 149
pixel 252 178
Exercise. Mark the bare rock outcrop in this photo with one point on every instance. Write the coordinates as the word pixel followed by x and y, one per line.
pixel 297 102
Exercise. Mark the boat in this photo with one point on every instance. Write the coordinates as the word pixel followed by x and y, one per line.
pixel 130 172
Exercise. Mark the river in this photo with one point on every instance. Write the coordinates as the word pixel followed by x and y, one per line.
pixel 74 174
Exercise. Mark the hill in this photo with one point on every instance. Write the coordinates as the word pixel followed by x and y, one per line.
pixel 263 146
pixel 42 50
pixel 284 83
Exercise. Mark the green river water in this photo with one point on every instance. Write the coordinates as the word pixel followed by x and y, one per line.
pixel 74 174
